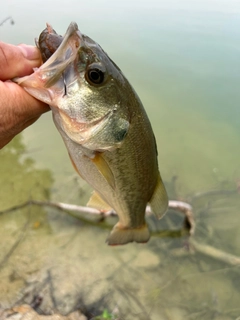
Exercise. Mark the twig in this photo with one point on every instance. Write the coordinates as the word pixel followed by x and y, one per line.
pixel 6 19
pixel 186 209
pixel 15 245
pixel 183 207
pixel 11 250
pixel 208 251
pixel 50 281
pixel 58 205
pixel 213 193
pixel 215 253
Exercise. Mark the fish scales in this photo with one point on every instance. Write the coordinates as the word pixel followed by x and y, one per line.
pixel 105 129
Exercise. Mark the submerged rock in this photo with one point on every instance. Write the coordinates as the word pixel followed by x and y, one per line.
pixel 25 312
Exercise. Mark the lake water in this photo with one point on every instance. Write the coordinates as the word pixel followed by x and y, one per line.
pixel 182 58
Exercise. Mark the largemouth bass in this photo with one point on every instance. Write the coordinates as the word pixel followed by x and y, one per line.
pixel 105 128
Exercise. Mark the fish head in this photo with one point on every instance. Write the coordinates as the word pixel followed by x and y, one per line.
pixel 84 89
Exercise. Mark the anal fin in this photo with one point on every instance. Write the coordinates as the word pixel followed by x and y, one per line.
pixel 159 200
pixel 97 202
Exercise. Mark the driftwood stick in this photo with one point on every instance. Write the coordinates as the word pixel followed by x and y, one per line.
pixel 58 205
pixel 215 253
pixel 215 193
pixel 183 207
pixel 187 210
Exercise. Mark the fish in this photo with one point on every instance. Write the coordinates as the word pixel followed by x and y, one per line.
pixel 105 128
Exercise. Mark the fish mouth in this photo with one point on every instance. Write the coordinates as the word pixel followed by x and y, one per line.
pixel 48 82
pixel 57 80
pixel 63 75
pixel 57 83
pixel 65 54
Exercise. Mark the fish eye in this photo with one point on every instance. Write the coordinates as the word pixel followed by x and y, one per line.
pixel 95 76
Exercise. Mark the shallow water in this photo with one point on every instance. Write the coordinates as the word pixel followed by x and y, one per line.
pixel 183 60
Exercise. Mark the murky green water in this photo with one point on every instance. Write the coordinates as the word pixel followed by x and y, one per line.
pixel 183 60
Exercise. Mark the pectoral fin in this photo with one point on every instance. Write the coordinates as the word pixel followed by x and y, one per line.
pixel 97 202
pixel 159 200
pixel 104 169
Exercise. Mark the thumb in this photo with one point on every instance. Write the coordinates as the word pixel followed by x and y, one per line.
pixel 17 61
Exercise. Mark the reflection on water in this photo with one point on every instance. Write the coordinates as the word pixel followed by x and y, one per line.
pixel 183 60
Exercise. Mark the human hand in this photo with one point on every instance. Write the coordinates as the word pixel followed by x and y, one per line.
pixel 18 109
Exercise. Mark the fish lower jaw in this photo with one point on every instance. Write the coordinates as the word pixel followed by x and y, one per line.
pixel 123 234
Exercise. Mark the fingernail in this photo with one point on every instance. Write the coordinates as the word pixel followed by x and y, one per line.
pixel 29 52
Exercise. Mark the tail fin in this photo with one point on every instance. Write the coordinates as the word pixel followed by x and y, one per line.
pixel 123 235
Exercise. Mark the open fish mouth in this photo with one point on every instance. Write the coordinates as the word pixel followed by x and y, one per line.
pixel 67 82
pixel 48 83
pixel 65 54
pixel 54 79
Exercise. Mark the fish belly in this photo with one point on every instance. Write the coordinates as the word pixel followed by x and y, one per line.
pixel 134 170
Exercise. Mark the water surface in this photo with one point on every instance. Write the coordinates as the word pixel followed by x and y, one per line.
pixel 183 60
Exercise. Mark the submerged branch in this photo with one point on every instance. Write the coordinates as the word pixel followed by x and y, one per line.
pixel 183 207
pixel 180 206
pixel 214 193
pixel 209 251
pixel 15 245
pixel 187 210
pixel 216 253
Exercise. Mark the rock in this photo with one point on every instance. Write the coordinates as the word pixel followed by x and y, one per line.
pixel 25 312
